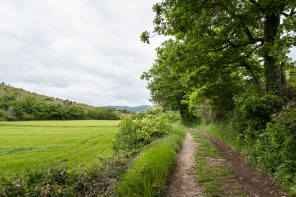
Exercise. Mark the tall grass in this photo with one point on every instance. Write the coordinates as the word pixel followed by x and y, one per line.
pixel 148 176
pixel 223 132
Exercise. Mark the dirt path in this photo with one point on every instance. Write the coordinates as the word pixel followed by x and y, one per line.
pixel 182 181
pixel 251 182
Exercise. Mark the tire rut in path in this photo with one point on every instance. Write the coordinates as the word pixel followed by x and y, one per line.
pixel 182 182
pixel 252 182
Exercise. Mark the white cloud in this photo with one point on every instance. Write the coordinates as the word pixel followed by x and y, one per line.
pixel 87 51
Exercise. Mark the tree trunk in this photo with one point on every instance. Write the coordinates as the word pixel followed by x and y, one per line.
pixel 283 79
pixel 272 70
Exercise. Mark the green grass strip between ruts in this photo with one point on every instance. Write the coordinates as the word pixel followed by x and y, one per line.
pixel 216 180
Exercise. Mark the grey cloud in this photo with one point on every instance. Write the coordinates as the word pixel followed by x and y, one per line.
pixel 87 51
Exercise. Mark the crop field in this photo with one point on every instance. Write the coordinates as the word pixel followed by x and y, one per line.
pixel 34 144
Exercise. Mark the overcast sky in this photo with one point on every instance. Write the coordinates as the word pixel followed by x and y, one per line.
pixel 87 51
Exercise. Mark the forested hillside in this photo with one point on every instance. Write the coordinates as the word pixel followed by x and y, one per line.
pixel 227 62
pixel 18 104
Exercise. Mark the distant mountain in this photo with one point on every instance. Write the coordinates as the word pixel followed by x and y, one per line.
pixel 141 108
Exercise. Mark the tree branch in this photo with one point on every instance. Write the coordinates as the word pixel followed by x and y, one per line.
pixel 242 57
pixel 252 41
pixel 257 5
pixel 285 14
pixel 246 30
pixel 291 14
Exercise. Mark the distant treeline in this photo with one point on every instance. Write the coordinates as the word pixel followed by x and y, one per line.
pixel 30 108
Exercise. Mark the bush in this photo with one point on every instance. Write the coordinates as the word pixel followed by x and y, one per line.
pixel 63 180
pixel 2 112
pixel 252 113
pixel 276 147
pixel 255 110
pixel 134 134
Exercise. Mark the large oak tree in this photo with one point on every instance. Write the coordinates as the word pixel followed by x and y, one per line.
pixel 236 33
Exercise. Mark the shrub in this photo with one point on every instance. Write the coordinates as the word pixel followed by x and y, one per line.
pixel 255 110
pixel 63 180
pixel 252 113
pixel 2 112
pixel 276 147
pixel 134 134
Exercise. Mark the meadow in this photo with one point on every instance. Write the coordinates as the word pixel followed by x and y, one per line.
pixel 37 144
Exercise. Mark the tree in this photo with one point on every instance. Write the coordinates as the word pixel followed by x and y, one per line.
pixel 167 84
pixel 180 81
pixel 232 33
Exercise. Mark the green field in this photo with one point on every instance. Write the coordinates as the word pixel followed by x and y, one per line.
pixel 34 144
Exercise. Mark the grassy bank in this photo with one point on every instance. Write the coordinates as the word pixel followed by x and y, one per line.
pixel 148 176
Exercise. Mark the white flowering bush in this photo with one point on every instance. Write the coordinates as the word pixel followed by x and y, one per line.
pixel 134 134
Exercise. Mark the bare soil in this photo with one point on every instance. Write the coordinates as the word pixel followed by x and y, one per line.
pixel 248 180
pixel 182 182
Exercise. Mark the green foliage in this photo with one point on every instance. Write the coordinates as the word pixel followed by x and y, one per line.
pixel 134 134
pixel 148 176
pixel 22 105
pixel 60 179
pixel 30 108
pixel 215 60
pixel 234 38
pixel 223 65
pixel 213 101
pixel 275 148
pixel 254 110
pixel 2 112
pixel 7 100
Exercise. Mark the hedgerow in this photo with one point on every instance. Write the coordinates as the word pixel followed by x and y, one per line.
pixel 60 179
pixel 148 176
pixel 275 148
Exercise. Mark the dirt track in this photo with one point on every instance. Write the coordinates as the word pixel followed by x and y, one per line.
pixel 248 181
pixel 252 182
pixel 182 181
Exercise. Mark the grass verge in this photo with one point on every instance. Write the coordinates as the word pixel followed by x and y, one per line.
pixel 213 175
pixel 148 176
